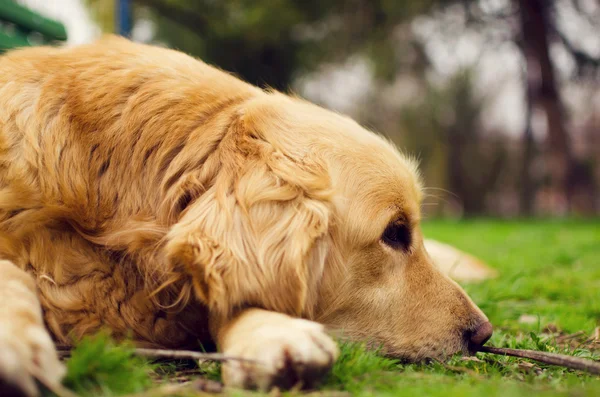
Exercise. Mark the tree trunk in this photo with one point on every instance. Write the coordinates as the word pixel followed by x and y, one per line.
pixel 544 94
pixel 527 184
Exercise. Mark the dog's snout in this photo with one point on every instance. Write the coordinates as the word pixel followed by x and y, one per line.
pixel 481 334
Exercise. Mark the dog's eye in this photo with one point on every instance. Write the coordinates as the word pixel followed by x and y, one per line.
pixel 397 236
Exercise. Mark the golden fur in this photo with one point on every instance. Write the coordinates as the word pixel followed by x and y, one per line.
pixel 150 193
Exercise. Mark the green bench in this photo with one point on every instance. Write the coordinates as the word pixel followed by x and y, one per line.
pixel 21 27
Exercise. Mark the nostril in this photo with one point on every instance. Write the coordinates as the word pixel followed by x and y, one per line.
pixel 481 334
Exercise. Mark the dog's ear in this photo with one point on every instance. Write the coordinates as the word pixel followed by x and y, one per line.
pixel 256 236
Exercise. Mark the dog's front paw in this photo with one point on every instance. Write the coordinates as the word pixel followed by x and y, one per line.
pixel 25 352
pixel 292 353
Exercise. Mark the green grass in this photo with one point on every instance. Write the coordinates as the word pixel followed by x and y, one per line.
pixel 549 275
pixel 99 367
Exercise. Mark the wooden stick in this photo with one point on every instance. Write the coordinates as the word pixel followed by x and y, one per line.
pixel 189 355
pixel 178 354
pixel 562 360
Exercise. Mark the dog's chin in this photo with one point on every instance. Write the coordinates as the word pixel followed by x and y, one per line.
pixel 428 354
pixel 420 353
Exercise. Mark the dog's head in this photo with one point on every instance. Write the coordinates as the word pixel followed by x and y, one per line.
pixel 301 210
pixel 379 283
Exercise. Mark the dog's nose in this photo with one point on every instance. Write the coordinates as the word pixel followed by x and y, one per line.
pixel 481 334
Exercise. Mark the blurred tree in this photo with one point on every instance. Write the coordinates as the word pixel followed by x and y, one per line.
pixel 269 42
pixel 534 25
pixel 543 93
pixel 539 28
pixel 449 121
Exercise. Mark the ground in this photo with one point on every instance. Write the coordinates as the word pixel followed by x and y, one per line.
pixel 547 297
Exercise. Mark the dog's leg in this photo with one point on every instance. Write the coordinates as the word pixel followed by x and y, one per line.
pixel 25 345
pixel 457 264
pixel 284 351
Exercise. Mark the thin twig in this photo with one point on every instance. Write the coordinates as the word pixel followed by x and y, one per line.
pixel 570 336
pixel 562 360
pixel 178 354
pixel 188 354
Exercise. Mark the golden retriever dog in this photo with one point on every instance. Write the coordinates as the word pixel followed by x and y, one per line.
pixel 148 193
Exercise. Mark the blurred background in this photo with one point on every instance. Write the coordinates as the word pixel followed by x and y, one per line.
pixel 498 99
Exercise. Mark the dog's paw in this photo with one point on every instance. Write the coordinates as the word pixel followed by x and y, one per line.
pixel 294 353
pixel 25 352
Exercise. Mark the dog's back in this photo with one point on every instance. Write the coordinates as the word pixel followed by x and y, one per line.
pixel 92 142
pixel 68 114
